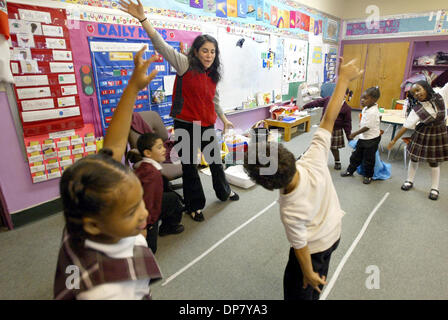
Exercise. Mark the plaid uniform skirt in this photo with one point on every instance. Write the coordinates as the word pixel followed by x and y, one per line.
pixel 429 143
pixel 337 139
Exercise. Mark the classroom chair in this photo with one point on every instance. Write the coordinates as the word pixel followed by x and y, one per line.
pixel 155 124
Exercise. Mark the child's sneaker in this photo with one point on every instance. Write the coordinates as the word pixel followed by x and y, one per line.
pixel 346 173
pixel 234 196
pixel 197 215
pixel 163 231
pixel 367 180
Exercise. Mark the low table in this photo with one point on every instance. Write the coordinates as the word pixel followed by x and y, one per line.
pixel 289 125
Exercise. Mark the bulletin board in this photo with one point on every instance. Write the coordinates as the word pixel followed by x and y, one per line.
pixel 42 65
pixel 50 154
pixel 113 64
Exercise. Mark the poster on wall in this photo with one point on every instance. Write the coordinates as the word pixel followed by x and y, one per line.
pixel 295 60
pixel 331 30
pixel 113 64
pixel 41 54
pixel 315 71
pixel 331 56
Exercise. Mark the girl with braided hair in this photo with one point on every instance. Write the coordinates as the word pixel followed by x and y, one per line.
pixel 103 253
pixel 429 142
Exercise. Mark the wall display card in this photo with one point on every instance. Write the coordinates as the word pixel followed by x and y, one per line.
pixel 52 31
pixel 66 161
pixel 61 67
pixel 39 177
pixel 30 81
pixel 35 157
pixel 48 144
pixel 52 164
pixel 90 146
pixel 31 116
pixel 89 138
pixel 64 142
pixel 54 173
pixel 50 153
pixel 69 90
pixel 75 140
pixel 66 102
pixel 37 16
pixel 62 55
pixel 64 152
pixel 34 146
pixel 78 149
pixel 52 43
pixel 21 54
pixel 25 40
pixel 14 68
pixel 63 135
pixel 37 104
pixel 29 66
pixel 37 167
pixel 66 78
pixel 30 93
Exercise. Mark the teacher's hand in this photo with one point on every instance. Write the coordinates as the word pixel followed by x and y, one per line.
pixel 227 125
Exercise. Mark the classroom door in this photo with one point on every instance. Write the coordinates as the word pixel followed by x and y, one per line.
pixel 385 68
pixel 350 52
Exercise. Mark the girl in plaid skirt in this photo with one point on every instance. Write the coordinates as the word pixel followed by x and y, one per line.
pixel 342 124
pixel 429 142
pixel 103 253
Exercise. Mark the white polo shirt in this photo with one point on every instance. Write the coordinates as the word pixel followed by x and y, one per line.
pixel 370 119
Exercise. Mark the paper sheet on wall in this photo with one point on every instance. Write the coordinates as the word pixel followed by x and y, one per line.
pixel 37 16
pixel 37 104
pixel 31 81
pixel 29 66
pixel 30 93
pixel 31 116
pixel 168 84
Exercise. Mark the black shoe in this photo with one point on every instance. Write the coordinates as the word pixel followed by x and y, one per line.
pixel 367 180
pixel 171 230
pixel 407 185
pixel 197 215
pixel 433 194
pixel 234 196
pixel 337 166
pixel 346 173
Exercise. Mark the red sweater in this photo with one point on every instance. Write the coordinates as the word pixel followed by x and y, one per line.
pixel 152 183
pixel 193 96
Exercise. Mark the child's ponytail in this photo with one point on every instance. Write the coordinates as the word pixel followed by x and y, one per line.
pixel 87 189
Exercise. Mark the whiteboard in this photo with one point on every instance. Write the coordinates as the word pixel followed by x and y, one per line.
pixel 242 67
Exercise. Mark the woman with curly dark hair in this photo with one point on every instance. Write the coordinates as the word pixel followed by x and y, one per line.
pixel 195 109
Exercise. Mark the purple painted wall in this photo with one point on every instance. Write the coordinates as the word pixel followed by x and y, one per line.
pixel 18 190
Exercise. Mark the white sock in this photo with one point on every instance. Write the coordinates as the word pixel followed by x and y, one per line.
pixel 412 170
pixel 435 177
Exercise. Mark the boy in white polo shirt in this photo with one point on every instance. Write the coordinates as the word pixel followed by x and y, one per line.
pixel 369 136
pixel 309 205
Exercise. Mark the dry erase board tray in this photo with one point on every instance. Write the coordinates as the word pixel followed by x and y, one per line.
pixel 256 108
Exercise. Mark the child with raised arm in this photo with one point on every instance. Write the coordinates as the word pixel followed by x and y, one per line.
pixel 103 254
pixel 309 206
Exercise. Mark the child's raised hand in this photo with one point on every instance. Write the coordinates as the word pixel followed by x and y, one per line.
pixel 134 9
pixel 139 77
pixel 350 70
